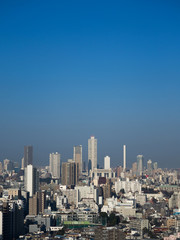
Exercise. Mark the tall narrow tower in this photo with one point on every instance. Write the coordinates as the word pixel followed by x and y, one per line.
pixel 77 157
pixel 124 158
pixel 92 152
pixel 28 155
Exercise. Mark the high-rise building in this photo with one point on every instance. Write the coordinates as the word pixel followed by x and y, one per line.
pixel 124 157
pixel 54 164
pixel 77 157
pixel 31 179
pixel 28 155
pixel 22 163
pixel 92 152
pixel 107 162
pixel 134 168
pixel 149 166
pixel 155 165
pixel 140 160
pixel 69 173
pixel 37 203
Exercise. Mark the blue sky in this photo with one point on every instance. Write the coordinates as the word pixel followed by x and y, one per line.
pixel 72 69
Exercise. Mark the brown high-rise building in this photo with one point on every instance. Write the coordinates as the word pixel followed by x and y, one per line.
pixel 28 155
pixel 37 203
pixel 69 173
pixel 77 157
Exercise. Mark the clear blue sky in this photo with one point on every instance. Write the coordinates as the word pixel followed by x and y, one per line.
pixel 72 69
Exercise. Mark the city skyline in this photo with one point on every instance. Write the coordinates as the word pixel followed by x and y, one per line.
pixel 85 68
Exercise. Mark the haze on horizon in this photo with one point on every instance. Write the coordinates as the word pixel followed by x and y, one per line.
pixel 72 69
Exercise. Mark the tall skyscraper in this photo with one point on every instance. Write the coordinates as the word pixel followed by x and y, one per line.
pixel 77 157
pixel 54 164
pixel 69 173
pixel 140 160
pixel 92 152
pixel 107 162
pixel 149 166
pixel 31 179
pixel 28 155
pixel 124 157
pixel 155 165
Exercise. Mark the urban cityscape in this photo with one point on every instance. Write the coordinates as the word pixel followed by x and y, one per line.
pixel 89 119
pixel 77 199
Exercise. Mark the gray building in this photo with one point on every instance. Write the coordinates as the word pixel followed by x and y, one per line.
pixel 28 155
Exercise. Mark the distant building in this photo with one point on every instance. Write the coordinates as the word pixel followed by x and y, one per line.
pixel 155 165
pixel 54 164
pixel 31 180
pixel 140 160
pixel 134 168
pixel 119 170
pixel 149 166
pixel 28 155
pixel 69 173
pixel 107 233
pixel 8 165
pixel 37 203
pixel 107 162
pixel 77 157
pixel 92 152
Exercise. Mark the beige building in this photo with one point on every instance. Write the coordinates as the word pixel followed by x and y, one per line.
pixel 77 157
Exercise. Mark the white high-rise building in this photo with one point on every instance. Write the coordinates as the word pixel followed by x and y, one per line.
pixel 54 164
pixel 107 162
pixel 31 179
pixel 92 152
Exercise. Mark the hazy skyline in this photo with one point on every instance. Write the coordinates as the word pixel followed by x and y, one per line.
pixel 70 70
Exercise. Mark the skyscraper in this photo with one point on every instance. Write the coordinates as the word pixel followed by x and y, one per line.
pixel 149 166
pixel 140 160
pixel 28 155
pixel 77 157
pixel 107 162
pixel 54 164
pixel 92 152
pixel 31 179
pixel 69 173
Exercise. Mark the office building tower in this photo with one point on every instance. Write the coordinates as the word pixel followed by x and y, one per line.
pixel 77 157
pixel 69 173
pixel 149 166
pixel 140 160
pixel 31 179
pixel 107 162
pixel 37 203
pixel 124 157
pixel 92 152
pixel 134 168
pixel 155 166
pixel 11 219
pixel 28 155
pixel 54 164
